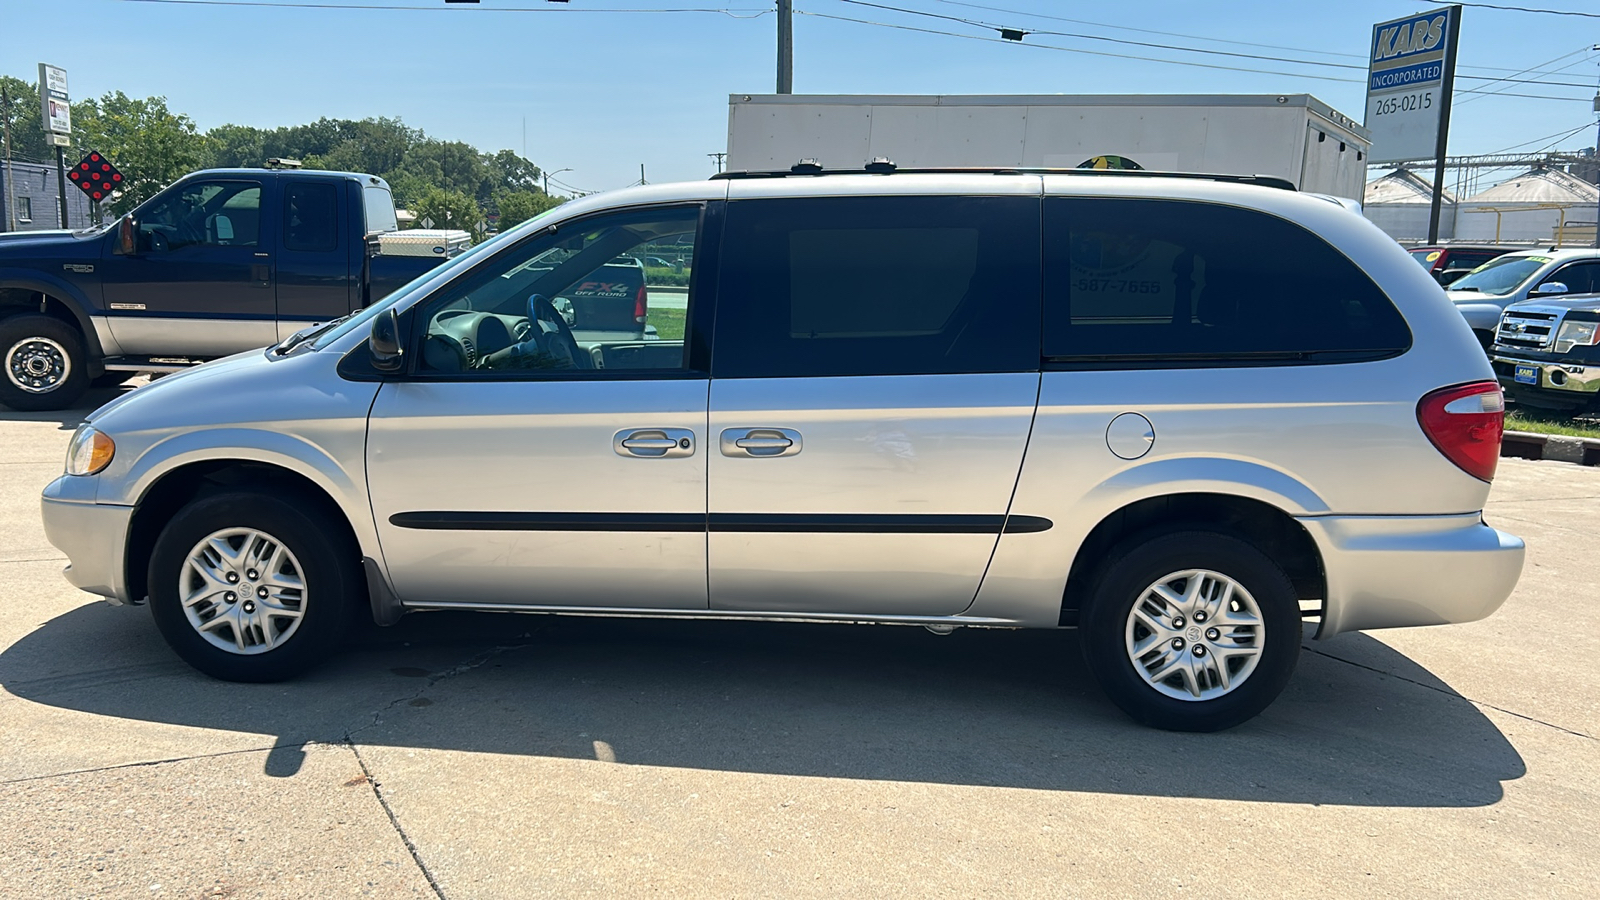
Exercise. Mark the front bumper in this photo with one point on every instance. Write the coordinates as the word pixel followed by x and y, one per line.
pixel 1576 380
pixel 1399 571
pixel 94 536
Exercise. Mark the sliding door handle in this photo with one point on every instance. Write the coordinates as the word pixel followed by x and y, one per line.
pixel 760 443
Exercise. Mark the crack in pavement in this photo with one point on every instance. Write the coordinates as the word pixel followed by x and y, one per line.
pixel 394 821
pixel 475 661
pixel 1449 693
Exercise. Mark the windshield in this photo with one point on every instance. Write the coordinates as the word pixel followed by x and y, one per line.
pixel 1500 276
pixel 448 270
pixel 1425 257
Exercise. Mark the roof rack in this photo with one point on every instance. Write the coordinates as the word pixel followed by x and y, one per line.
pixel 810 167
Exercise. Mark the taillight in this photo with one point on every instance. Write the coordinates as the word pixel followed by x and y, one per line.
pixel 1465 422
pixel 641 305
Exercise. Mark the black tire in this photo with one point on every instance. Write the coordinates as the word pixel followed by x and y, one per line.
pixel 328 568
pixel 55 347
pixel 1138 566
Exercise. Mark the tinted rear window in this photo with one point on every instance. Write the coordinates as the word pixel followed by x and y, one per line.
pixel 1179 282
pixel 878 286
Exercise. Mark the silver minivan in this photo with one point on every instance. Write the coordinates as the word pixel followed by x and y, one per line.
pixel 1110 401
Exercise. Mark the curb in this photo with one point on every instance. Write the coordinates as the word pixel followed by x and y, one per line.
pixel 1559 447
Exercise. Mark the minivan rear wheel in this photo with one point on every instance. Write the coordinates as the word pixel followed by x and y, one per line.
pixel 246 587
pixel 1192 631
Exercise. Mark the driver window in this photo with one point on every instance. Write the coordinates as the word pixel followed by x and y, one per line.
pixel 213 213
pixel 594 296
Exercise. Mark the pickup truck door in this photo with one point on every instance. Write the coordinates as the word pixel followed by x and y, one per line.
pixel 200 281
pixel 875 369
pixel 314 255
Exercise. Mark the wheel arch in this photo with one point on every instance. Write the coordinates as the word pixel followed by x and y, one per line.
pixel 1268 527
pixel 183 484
pixel 55 298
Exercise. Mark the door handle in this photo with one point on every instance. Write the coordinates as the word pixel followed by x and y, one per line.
pixel 653 443
pixel 760 442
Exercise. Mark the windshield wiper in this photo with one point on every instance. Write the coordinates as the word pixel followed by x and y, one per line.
pixel 307 333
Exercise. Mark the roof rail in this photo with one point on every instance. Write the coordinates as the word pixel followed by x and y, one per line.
pixel 809 168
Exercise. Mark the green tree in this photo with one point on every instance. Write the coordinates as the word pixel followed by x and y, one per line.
pixel 449 209
pixel 27 131
pixel 150 144
pixel 516 207
pixel 512 172
pixel 236 146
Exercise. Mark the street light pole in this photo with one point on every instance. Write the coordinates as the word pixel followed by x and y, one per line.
pixel 547 179
pixel 785 46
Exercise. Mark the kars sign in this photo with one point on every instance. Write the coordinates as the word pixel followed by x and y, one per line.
pixel 1410 72
pixel 53 105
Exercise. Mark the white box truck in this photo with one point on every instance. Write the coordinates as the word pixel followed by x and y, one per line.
pixel 1292 136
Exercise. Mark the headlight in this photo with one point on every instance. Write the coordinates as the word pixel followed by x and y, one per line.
pixel 89 452
pixel 1576 334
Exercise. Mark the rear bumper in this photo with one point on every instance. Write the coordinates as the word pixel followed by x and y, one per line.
pixel 1398 571
pixel 94 537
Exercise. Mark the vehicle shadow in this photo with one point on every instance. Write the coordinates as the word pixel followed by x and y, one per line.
pixel 987 708
pixel 69 418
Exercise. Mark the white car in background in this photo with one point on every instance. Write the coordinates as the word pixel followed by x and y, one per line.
pixel 1483 295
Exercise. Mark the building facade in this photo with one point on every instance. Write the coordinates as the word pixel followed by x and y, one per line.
pixel 34 202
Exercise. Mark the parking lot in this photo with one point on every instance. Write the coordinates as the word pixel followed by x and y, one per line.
pixel 504 756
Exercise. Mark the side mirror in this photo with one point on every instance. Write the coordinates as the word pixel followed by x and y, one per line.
pixel 387 355
pixel 127 231
pixel 1548 288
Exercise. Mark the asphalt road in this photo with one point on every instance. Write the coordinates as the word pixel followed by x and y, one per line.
pixel 471 756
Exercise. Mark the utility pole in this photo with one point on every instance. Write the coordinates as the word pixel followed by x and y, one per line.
pixel 719 158
pixel 1596 166
pixel 785 46
pixel 641 174
pixel 5 111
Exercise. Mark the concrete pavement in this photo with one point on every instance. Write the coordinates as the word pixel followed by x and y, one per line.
pixel 469 756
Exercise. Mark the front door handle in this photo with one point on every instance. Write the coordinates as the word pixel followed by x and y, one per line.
pixel 653 443
pixel 760 443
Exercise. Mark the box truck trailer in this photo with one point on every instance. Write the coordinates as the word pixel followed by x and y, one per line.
pixel 1292 136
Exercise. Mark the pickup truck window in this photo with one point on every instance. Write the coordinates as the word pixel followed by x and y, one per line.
pixel 216 213
pixel 380 209
pixel 310 216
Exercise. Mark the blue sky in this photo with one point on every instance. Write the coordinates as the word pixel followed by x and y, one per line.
pixel 604 92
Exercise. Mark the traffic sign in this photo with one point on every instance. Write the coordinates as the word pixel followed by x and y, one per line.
pixel 96 176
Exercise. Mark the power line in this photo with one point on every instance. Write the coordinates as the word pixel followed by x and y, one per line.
pixel 1483 93
pixel 1179 48
pixel 1534 9
pixel 1559 137
pixel 733 12
pixel 1174 62
pixel 1179 34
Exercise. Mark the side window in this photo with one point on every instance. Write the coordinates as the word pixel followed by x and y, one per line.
pixel 212 213
pixel 311 216
pixel 1580 278
pixel 579 300
pixel 1176 281
pixel 878 286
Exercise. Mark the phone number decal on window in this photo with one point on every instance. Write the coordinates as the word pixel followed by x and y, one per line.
pixel 1118 286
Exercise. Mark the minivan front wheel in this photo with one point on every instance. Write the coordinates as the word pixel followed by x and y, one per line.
pixel 1192 631
pixel 246 587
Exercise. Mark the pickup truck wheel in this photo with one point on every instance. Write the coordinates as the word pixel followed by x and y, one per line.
pixel 246 587
pixel 1192 631
pixel 44 363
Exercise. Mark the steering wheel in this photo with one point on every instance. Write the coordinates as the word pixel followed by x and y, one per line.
pixel 541 309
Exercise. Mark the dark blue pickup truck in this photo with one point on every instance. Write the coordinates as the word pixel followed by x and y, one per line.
pixel 221 261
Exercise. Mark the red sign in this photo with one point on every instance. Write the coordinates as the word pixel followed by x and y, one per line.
pixel 96 176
